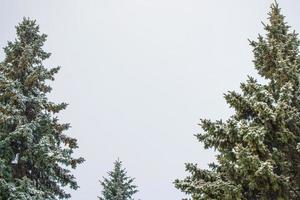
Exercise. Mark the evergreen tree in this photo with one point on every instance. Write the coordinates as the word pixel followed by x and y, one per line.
pixel 35 154
pixel 118 186
pixel 259 145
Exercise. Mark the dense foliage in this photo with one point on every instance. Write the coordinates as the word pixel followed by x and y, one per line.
pixel 35 154
pixel 259 145
pixel 118 186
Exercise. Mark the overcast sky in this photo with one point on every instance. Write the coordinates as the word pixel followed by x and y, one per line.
pixel 139 74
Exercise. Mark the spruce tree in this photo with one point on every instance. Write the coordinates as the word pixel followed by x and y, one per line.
pixel 258 147
pixel 35 153
pixel 118 186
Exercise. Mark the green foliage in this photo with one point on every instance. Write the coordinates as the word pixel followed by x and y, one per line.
pixel 258 146
pixel 36 156
pixel 118 186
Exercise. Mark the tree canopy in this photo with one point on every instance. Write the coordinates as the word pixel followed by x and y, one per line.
pixel 118 186
pixel 35 153
pixel 258 147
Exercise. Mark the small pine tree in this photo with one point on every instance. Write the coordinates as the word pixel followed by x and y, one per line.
pixel 118 186
pixel 258 147
pixel 35 154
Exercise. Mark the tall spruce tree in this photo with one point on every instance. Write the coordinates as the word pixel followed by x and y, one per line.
pixel 259 145
pixel 35 154
pixel 118 186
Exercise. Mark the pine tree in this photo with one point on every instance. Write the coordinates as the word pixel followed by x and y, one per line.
pixel 258 147
pixel 118 186
pixel 35 154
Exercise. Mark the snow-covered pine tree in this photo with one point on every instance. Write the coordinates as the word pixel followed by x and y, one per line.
pixel 35 154
pixel 258 146
pixel 118 186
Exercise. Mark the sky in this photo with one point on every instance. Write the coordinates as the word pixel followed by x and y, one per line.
pixel 140 74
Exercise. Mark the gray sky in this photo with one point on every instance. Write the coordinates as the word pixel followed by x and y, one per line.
pixel 139 74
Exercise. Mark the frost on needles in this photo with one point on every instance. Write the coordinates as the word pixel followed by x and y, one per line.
pixel 258 154
pixel 35 154
pixel 118 186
